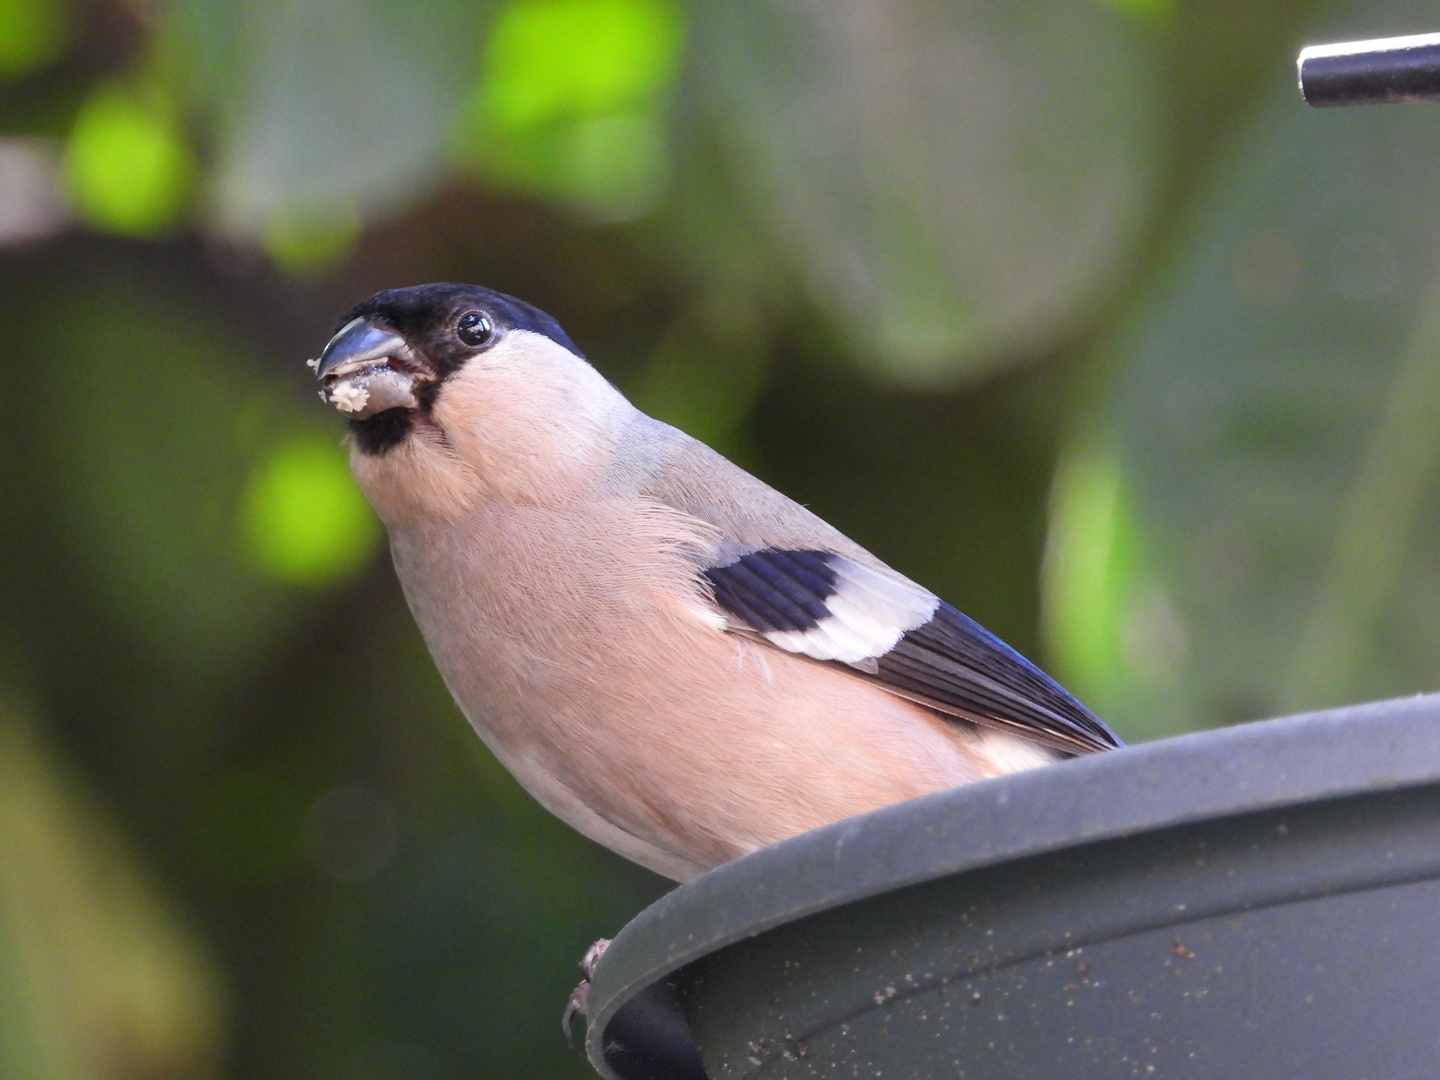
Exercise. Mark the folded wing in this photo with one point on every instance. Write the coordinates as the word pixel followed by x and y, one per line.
pixel 887 629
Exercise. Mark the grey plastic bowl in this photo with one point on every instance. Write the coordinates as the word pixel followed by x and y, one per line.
pixel 1259 901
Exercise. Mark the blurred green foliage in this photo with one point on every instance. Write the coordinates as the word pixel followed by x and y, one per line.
pixel 32 34
pixel 95 970
pixel 127 168
pixel 571 101
pixel 304 520
pixel 1071 311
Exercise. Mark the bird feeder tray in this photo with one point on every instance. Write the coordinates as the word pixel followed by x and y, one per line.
pixel 1262 900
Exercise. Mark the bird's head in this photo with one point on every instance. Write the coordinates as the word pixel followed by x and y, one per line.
pixel 456 390
pixel 390 359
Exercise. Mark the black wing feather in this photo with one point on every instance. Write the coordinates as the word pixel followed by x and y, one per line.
pixel 950 663
pixel 955 664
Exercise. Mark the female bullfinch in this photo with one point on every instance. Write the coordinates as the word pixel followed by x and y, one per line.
pixel 670 655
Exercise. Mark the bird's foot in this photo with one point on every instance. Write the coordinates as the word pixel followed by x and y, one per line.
pixel 580 997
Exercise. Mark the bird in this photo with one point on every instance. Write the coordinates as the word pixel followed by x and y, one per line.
pixel 670 655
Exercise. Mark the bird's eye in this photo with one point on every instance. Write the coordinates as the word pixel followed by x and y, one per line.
pixel 474 329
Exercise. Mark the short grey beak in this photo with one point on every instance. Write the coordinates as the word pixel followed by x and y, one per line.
pixel 358 343
pixel 366 370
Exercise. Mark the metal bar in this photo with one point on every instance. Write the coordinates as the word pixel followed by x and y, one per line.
pixel 1381 72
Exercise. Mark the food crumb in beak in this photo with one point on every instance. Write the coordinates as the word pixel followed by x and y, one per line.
pixel 350 398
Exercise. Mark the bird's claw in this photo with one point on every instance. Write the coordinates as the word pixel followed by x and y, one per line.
pixel 580 997
pixel 576 1006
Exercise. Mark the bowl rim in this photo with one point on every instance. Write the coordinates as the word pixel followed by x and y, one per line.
pixel 1208 775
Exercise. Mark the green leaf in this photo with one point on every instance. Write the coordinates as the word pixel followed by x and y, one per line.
pixel 324 110
pixel 305 243
pixel 33 34
pixel 547 60
pixel 1111 629
pixel 1276 420
pixel 305 520
pixel 955 183
pixel 572 101
pixel 126 167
